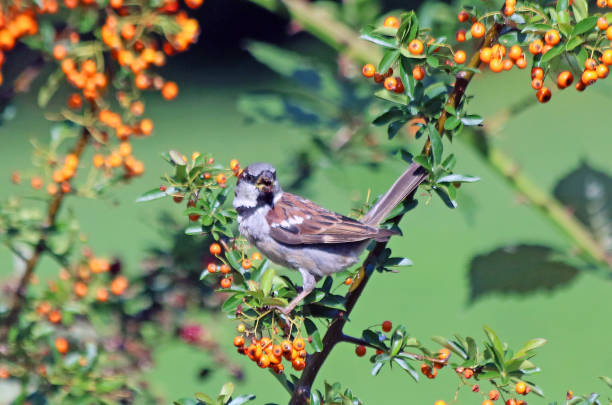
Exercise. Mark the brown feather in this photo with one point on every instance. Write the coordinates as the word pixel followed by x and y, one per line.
pixel 295 221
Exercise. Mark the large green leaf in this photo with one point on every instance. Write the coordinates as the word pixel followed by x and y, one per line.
pixel 519 269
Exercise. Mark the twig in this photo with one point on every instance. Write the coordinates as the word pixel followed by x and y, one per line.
pixel 52 211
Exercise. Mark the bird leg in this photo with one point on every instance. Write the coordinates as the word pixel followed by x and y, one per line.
pixel 309 282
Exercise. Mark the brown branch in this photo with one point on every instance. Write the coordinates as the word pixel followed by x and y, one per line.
pixel 39 249
pixel 334 335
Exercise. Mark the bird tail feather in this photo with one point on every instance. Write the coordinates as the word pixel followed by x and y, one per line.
pixel 403 186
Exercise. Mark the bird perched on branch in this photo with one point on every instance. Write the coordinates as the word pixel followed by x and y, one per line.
pixel 297 233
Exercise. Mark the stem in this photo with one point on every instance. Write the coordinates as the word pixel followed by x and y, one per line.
pixel 320 23
pixel 40 247
pixel 551 207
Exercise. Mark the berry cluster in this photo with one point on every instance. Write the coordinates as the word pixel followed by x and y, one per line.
pixel 224 268
pixel 268 354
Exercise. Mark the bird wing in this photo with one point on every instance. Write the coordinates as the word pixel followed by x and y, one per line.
pixel 295 221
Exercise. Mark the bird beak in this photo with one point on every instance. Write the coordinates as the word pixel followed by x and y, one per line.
pixel 265 183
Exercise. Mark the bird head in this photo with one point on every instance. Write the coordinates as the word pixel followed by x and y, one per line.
pixel 257 186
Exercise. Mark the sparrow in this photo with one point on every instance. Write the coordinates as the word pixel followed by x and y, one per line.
pixel 298 234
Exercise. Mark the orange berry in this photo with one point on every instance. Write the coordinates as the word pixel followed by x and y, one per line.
pixel 569 395
pixel 220 178
pixel 564 79
pixel 239 341
pixel 609 33
pixel 515 52
pixel 193 3
pixel 439 402
pixel 468 373
pixel 602 23
pixel 52 189
pixel 391 22
pixel 444 354
pixel 119 285
pixel 487 402
pixel 55 316
pixel 496 65
pixel 590 64
pixel 589 77
pixel 169 90
pixel 286 346
pixel 298 344
pixel 256 256
pixel 61 344
pixel 80 289
pixel 602 3
pixel 486 54
pixel 418 73
pixel 59 52
pixel 507 64
pixel 386 326
pixel 425 369
pixel 214 249
pixel 552 37
pixel 142 81
pixel 478 30
pixel 537 84
pixel 246 264
pixel 416 47
pixel 348 281
pixel 511 401
pixel 521 63
pixel 521 402
pixel 460 35
pixel 102 294
pixel 463 16
pixel 493 395
pixel 128 31
pixel 146 126
pixel 535 46
pixel 509 10
pixel 544 95
pixel 264 361
pixel 602 71
pixel 225 269
pixel 537 72
pixel 459 57
pixel 4 373
pixel 226 282
pixel 298 364
pixel 606 57
pixel 212 268
pixel 520 387
pixel 36 183
pixel 390 83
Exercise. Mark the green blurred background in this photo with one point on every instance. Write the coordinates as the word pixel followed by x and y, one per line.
pixel 431 298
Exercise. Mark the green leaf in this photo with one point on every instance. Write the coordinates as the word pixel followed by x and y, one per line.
pixel 586 25
pixel 376 368
pixel 48 89
pixel 266 281
pixel 519 269
pixel 313 332
pixel 406 366
pixel 530 345
pixel 450 345
pixel 451 123
pixel 452 178
pixel 389 58
pixel 496 344
pixel 200 396
pixel 226 392
pixel 580 9
pixel 436 144
pixel 573 43
pixel 394 127
pixel 562 5
pixel 392 113
pixel 398 262
pixel 553 53
pixel 471 120
pixel 607 380
pixel 242 399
